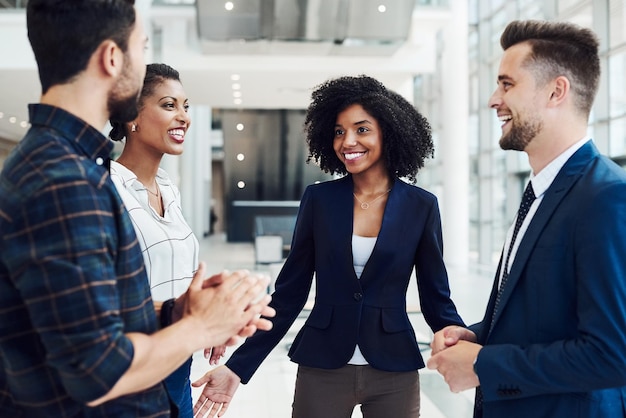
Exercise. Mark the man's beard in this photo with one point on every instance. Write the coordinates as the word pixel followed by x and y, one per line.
pixel 122 107
pixel 521 134
pixel 123 110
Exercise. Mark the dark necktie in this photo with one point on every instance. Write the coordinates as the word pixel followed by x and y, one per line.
pixel 527 201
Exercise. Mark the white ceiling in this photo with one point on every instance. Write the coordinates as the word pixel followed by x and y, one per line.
pixel 273 74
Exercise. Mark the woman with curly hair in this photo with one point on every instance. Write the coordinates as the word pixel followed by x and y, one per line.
pixel 360 236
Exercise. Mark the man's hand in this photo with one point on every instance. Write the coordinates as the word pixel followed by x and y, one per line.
pixel 220 386
pixel 226 306
pixel 456 365
pixel 449 336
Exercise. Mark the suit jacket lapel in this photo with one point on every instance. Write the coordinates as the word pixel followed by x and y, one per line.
pixel 342 225
pixel 390 232
pixel 567 177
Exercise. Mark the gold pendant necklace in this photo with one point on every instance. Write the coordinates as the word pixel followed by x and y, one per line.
pixel 159 201
pixel 366 205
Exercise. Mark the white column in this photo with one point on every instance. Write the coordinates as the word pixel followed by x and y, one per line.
pixel 143 8
pixel 454 152
pixel 406 89
pixel 194 170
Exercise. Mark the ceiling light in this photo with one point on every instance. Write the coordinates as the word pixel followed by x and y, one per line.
pixel 236 86
pixel 23 124
pixel 240 157
pixel 235 77
pixel 382 8
pixel 238 101
pixel 236 94
pixel 240 127
pixel 1 115
pixel 12 119
pixel 229 5
pixel 241 184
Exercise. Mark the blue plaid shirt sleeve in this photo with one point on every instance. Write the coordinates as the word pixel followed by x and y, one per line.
pixel 72 279
pixel 63 249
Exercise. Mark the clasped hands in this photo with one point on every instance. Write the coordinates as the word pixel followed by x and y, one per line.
pixel 225 306
pixel 454 352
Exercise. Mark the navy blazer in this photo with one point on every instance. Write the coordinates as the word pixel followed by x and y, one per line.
pixel 370 312
pixel 557 347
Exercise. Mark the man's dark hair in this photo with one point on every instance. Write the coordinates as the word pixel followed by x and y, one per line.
pixel 65 33
pixel 406 134
pixel 155 75
pixel 559 49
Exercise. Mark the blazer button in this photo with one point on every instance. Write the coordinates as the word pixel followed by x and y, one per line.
pixel 358 296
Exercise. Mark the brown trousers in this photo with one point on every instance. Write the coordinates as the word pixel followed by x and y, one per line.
pixel 322 393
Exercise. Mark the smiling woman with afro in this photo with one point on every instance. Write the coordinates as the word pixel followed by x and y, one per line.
pixel 406 133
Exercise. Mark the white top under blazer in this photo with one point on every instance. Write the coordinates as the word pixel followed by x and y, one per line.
pixel 169 247
pixel 362 248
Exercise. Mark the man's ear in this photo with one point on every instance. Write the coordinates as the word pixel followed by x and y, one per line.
pixel 110 58
pixel 560 90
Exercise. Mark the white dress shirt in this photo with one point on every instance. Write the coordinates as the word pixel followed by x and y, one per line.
pixel 541 182
pixel 170 249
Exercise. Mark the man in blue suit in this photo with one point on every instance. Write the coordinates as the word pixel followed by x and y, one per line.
pixel 553 340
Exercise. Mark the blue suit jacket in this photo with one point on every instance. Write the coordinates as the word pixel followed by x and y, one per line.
pixel 557 348
pixel 370 311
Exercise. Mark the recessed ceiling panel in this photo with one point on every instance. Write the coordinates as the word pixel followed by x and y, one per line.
pixel 225 20
pixel 336 21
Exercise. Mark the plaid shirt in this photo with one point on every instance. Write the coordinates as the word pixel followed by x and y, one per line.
pixel 72 280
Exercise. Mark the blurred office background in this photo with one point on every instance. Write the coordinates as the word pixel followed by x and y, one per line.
pixel 249 66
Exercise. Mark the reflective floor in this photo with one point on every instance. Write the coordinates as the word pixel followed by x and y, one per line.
pixel 270 392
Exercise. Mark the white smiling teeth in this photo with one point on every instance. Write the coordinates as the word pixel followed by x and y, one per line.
pixel 353 155
pixel 505 118
pixel 178 133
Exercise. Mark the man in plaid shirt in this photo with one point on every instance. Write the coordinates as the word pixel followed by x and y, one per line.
pixel 79 335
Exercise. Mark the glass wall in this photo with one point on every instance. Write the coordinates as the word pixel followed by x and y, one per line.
pixel 497 178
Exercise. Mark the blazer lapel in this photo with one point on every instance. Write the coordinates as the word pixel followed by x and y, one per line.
pixel 565 179
pixel 342 223
pixel 390 232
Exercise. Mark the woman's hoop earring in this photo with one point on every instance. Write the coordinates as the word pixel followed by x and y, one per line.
pixel 133 128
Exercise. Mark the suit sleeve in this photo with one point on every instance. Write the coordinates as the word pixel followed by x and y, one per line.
pixel 292 290
pixel 432 277
pixel 594 358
